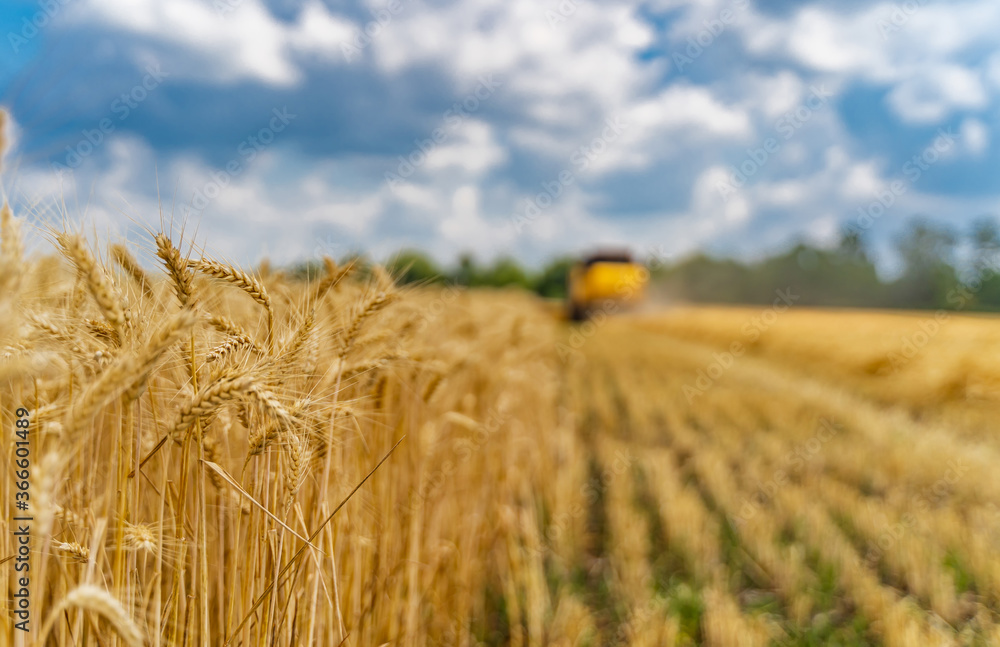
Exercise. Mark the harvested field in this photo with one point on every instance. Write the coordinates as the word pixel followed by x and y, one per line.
pixel 206 447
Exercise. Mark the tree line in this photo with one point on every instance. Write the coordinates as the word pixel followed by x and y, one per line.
pixel 940 267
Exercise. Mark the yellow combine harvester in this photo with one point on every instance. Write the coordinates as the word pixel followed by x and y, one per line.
pixel 606 281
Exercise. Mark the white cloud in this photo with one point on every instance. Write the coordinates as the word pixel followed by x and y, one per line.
pixel 559 84
pixel 854 43
pixel 475 152
pixel 993 70
pixel 712 207
pixel 812 203
pixel 936 93
pixel 591 53
pixel 246 42
pixel 860 182
pixel 252 215
pixel 824 230
pixel 776 95
pixel 830 42
pixel 975 136
pixel 688 107
pixel 415 196
pixel 565 78
pixel 465 227
pixel 786 193
pixel 919 58
pixel 654 126
pixel 540 140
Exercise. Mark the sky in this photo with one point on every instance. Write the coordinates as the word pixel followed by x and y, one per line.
pixel 292 129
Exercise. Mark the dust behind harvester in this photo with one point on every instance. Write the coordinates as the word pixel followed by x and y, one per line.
pixel 607 280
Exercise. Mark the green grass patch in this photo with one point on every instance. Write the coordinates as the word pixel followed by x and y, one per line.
pixel 964 580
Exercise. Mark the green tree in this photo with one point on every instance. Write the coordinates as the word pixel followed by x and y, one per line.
pixel 506 272
pixel 985 272
pixel 412 266
pixel 985 242
pixel 852 246
pixel 928 252
pixel 551 282
pixel 467 273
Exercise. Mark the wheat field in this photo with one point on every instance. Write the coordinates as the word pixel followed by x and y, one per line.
pixel 226 457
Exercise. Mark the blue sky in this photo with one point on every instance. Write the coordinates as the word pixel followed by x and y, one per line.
pixel 293 128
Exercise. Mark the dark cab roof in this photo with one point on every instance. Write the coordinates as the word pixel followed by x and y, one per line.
pixel 608 256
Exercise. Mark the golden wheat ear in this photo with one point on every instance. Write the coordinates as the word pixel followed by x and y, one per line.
pixel 12 266
pixel 244 281
pixel 11 251
pixel 176 266
pixel 105 294
pixel 131 267
pixel 88 597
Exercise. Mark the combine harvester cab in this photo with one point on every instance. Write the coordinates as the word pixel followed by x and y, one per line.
pixel 605 281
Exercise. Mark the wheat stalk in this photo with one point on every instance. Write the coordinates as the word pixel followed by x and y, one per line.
pixel 68 516
pixel 127 373
pixel 177 268
pixel 105 295
pixel 230 346
pixel 373 304
pixel 260 438
pixel 128 263
pixel 115 379
pixel 169 334
pixel 249 284
pixel 270 403
pixel 75 551
pixel 227 326
pixel 11 252
pixel 140 537
pixel 334 275
pixel 291 350
pixel 246 282
pixel 225 389
pixel 96 600
pixel 489 510
pixel 11 243
pixel 298 458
